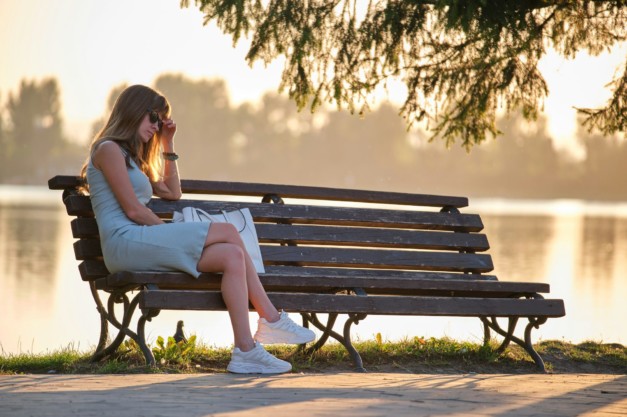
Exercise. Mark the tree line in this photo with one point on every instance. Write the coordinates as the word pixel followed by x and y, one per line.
pixel 271 141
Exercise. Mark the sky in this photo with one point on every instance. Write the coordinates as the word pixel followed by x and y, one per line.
pixel 91 46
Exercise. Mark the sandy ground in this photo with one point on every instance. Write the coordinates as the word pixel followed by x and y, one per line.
pixel 329 394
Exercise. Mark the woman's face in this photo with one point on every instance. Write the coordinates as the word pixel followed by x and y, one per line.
pixel 150 124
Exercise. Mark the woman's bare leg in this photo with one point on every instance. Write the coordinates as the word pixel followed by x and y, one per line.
pixel 257 294
pixel 226 233
pixel 225 252
pixel 229 259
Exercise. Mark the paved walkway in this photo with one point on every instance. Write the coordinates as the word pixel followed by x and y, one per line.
pixel 337 394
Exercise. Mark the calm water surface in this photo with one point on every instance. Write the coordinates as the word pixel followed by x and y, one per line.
pixel 579 248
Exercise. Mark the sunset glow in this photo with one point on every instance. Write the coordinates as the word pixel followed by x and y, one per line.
pixel 92 46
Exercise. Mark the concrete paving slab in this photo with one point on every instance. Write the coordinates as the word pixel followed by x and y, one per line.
pixel 337 394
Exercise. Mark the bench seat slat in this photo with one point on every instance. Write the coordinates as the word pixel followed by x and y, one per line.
pixel 380 305
pixel 383 284
pixel 263 212
pixel 93 269
pixel 98 270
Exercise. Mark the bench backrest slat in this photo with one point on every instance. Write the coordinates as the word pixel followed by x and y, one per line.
pixel 320 193
pixel 297 271
pixel 262 212
pixel 382 259
pixel 85 249
pixel 346 236
pixel 62 182
pixel 370 237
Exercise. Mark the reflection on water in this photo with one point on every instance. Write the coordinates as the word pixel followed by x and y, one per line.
pixel 519 245
pixel 45 305
pixel 598 250
pixel 25 246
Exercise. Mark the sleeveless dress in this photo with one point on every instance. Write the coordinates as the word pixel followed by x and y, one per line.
pixel 128 246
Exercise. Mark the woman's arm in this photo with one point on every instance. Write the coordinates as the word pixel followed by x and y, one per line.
pixel 169 187
pixel 109 159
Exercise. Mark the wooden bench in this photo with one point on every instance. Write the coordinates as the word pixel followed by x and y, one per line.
pixel 385 254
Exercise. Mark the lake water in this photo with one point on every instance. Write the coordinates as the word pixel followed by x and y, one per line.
pixel 579 248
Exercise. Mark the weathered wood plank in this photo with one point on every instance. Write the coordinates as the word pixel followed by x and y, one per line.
pixel 324 215
pixel 62 182
pixel 377 305
pixel 92 269
pixel 320 193
pixel 85 249
pixel 95 268
pixel 370 237
pixel 423 283
pixel 84 227
pixel 391 259
pixel 288 270
pixel 81 206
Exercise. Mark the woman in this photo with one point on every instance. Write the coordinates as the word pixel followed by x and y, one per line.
pixel 131 159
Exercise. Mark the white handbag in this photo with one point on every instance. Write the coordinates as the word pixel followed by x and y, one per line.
pixel 240 218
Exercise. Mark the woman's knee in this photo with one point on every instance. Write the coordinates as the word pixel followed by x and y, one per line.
pixel 222 257
pixel 234 257
pixel 223 233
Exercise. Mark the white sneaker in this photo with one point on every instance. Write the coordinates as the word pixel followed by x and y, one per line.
pixel 283 331
pixel 256 361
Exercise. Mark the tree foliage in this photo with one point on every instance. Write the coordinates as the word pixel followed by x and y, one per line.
pixel 461 60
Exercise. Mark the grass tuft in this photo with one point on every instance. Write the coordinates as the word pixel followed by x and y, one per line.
pixel 415 355
pixel 60 361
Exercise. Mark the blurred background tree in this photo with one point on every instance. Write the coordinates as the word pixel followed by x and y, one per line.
pixel 100 122
pixel 33 143
pixel 271 141
pixel 204 118
pixel 460 60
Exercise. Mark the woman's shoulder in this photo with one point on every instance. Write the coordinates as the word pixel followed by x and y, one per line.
pixel 108 146
pixel 108 143
pixel 106 150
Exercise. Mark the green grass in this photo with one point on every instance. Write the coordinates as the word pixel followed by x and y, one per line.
pixel 63 361
pixel 416 355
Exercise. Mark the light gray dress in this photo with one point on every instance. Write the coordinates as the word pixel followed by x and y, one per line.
pixel 127 246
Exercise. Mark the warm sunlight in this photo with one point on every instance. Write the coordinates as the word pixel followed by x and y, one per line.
pixel 582 82
pixel 469 263
pixel 92 47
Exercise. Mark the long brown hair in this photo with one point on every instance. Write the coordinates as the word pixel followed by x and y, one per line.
pixel 128 111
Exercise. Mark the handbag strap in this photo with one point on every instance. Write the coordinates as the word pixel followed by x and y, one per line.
pixel 224 213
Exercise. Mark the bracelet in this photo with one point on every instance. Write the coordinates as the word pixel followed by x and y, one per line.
pixel 170 156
